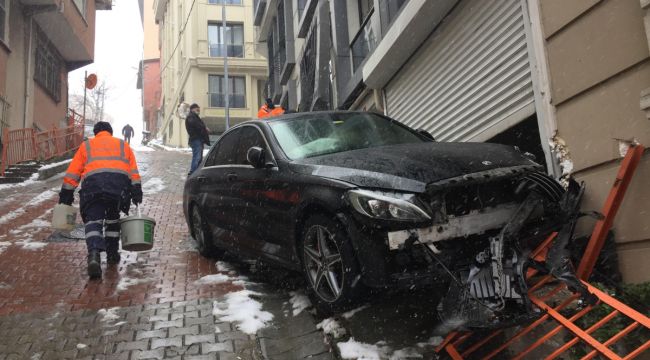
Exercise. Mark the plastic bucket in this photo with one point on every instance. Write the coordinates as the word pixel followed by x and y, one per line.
pixel 64 217
pixel 137 232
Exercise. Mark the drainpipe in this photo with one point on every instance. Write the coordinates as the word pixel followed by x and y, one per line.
pixel 28 67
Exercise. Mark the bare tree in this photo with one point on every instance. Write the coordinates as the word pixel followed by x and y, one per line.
pixel 95 100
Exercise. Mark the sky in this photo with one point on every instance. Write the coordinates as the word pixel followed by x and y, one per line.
pixel 118 51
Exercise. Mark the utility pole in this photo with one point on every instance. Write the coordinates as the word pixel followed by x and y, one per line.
pixel 225 64
pixel 85 87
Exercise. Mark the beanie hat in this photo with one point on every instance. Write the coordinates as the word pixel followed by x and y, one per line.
pixel 194 106
pixel 102 126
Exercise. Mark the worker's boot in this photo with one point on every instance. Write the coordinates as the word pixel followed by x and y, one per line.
pixel 112 256
pixel 94 265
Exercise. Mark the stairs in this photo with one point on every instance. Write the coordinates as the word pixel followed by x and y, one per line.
pixel 19 172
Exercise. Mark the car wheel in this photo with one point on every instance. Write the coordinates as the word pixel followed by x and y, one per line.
pixel 329 265
pixel 203 238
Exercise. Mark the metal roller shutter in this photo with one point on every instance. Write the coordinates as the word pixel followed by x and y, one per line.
pixel 471 79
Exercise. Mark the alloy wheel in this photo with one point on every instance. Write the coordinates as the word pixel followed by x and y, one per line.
pixel 197 227
pixel 322 259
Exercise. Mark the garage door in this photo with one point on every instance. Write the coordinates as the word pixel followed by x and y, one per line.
pixel 471 79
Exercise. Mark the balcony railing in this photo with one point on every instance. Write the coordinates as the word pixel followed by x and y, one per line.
pixel 218 50
pixel 364 43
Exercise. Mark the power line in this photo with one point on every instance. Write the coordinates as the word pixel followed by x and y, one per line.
pixel 179 38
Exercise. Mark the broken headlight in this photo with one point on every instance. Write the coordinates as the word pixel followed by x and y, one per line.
pixel 387 205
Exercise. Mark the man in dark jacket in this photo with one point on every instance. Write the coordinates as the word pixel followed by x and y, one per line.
pixel 199 135
pixel 127 132
pixel 106 169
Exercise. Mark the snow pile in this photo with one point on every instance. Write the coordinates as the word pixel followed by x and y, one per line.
pixel 49 166
pixel 126 282
pixel 44 196
pixel 159 143
pixel 299 301
pixel 213 279
pixel 407 353
pixel 32 180
pixel 4 245
pixel 12 215
pixel 81 346
pixel 331 327
pixel 31 245
pixel 243 310
pixel 434 341
pixel 153 185
pixel 349 314
pixel 356 350
pixel 109 314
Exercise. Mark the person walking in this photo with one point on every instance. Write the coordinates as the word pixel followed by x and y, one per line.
pixel 109 172
pixel 269 110
pixel 127 132
pixel 199 135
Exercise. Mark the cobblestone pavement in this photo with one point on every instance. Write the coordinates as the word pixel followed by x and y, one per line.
pixel 148 306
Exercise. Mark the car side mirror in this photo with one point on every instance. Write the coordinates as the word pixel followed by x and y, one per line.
pixel 255 157
pixel 426 134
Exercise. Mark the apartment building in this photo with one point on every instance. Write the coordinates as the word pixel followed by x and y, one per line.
pixel 149 73
pixel 192 44
pixel 41 41
pixel 568 81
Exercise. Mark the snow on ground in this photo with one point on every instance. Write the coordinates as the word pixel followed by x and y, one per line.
pixel 142 148
pixel 126 282
pixel 213 279
pixel 299 301
pixel 159 143
pixel 12 215
pixel 434 341
pixel 407 353
pixel 331 327
pixel 44 196
pixel 32 180
pixel 350 314
pixel 81 346
pixel 109 314
pixel 153 185
pixel 240 308
pixel 352 349
pixel 4 245
pixel 31 245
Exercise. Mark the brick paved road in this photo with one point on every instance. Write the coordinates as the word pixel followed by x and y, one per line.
pixel 149 306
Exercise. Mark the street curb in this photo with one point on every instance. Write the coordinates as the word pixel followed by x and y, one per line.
pixel 51 171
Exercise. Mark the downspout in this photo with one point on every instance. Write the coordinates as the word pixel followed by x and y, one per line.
pixel 28 56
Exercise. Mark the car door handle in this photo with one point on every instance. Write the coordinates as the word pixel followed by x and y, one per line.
pixel 202 179
pixel 231 177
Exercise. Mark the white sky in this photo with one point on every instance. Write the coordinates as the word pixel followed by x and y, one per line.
pixel 118 51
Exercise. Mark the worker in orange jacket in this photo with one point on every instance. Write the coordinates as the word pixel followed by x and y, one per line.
pixel 269 110
pixel 107 167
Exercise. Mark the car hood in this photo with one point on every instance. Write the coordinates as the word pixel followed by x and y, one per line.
pixel 410 167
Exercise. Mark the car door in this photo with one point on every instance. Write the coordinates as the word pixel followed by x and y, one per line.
pixel 267 198
pixel 219 189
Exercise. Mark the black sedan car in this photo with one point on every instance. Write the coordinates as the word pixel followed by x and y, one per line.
pixel 356 200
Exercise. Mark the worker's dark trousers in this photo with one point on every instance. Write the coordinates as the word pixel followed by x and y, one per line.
pixel 102 221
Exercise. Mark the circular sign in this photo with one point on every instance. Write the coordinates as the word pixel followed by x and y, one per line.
pixel 91 81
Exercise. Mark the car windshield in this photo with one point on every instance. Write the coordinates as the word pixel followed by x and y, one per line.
pixel 332 133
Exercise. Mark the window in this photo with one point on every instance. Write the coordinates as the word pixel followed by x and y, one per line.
pixel 250 136
pixel 301 8
pixel 234 35
pixel 171 128
pixel 225 151
pixel 236 89
pixel 3 20
pixel 81 5
pixel 47 72
pixel 227 2
pixel 365 7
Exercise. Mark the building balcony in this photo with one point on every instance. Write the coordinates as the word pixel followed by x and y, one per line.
pixel 69 26
pixel 258 9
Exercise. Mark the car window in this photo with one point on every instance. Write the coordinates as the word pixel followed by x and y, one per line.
pixel 226 151
pixel 250 136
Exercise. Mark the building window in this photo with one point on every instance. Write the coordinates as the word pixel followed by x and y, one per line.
pixel 301 8
pixel 234 35
pixel 236 89
pixel 3 20
pixel 394 7
pixel 365 7
pixel 227 2
pixel 81 5
pixel 47 72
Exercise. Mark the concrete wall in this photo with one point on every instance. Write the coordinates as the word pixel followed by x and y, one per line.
pixel 599 63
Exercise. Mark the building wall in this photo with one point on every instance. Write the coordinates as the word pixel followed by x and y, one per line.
pixel 184 75
pixel 151 92
pixel 151 48
pixel 599 62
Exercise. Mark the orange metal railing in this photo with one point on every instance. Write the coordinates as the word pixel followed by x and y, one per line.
pixel 563 308
pixel 21 145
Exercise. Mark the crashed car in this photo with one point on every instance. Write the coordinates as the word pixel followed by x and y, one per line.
pixel 357 200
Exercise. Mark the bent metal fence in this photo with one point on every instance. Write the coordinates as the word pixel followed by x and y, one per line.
pixel 27 144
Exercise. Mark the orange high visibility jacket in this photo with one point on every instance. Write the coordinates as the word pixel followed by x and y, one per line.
pixel 105 164
pixel 264 111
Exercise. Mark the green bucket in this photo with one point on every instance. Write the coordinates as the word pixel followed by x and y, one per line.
pixel 137 232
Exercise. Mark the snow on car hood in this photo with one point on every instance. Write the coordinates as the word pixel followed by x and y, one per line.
pixel 410 167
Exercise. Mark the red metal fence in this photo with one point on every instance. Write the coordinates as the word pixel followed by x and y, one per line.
pixel 27 144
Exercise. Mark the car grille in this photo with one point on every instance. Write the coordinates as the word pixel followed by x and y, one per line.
pixel 462 200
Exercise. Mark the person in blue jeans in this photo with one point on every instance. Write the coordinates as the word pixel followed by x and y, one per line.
pixel 199 135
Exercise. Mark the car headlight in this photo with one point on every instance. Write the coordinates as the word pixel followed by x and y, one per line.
pixel 386 205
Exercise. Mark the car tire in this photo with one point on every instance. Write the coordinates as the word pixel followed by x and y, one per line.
pixel 329 265
pixel 202 236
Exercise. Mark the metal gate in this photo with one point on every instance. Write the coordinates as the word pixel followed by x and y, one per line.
pixel 471 79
